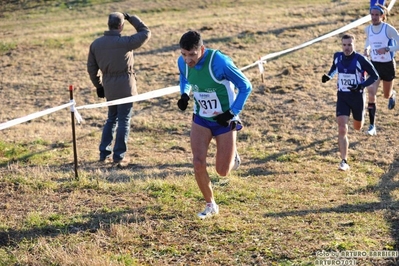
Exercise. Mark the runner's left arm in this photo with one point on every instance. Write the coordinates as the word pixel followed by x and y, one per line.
pixel 369 68
pixel 224 68
pixel 392 34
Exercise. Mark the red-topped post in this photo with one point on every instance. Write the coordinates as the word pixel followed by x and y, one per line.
pixel 75 155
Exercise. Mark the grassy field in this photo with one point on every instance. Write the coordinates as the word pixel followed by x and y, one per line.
pixel 286 205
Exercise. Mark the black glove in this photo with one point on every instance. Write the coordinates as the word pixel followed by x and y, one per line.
pixel 325 78
pixel 356 88
pixel 100 92
pixel 126 15
pixel 183 102
pixel 223 119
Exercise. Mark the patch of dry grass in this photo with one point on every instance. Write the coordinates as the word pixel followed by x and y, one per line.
pixel 286 202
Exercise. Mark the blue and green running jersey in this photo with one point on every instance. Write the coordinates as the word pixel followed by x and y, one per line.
pixel 211 96
pixel 213 81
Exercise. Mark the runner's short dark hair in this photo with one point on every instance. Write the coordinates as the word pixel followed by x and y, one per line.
pixel 191 39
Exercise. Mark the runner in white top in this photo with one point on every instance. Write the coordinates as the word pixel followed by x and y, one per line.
pixel 381 45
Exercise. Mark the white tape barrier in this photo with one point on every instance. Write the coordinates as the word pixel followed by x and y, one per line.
pixel 335 32
pixel 170 90
pixel 136 98
pixel 391 5
pixel 34 115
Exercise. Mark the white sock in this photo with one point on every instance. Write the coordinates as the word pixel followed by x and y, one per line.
pixel 211 204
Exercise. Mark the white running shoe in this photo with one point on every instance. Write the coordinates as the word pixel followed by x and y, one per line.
pixel 237 161
pixel 209 211
pixel 372 130
pixel 392 101
pixel 343 166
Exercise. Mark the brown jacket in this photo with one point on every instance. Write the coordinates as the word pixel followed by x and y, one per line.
pixel 112 54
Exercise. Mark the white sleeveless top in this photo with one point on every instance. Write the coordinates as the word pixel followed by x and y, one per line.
pixel 379 40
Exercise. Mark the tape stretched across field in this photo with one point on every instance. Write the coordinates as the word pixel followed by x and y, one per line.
pixel 34 115
pixel 174 89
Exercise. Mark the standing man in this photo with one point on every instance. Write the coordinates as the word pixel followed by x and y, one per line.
pixel 350 66
pixel 212 77
pixel 112 54
pixel 381 46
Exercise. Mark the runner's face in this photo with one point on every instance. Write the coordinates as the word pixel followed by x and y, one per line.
pixel 347 46
pixel 376 16
pixel 191 57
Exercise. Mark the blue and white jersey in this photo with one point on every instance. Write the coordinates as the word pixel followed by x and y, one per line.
pixel 351 71
pixel 348 74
